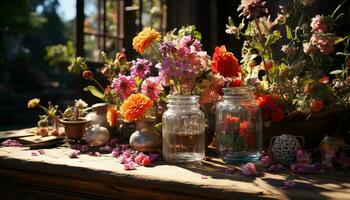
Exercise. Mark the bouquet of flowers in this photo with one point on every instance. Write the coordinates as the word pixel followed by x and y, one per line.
pixel 297 64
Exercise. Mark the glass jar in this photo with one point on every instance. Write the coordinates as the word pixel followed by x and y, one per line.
pixel 183 130
pixel 238 126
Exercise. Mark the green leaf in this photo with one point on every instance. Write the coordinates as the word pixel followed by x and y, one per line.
pixel 241 25
pixel 94 91
pixel 338 40
pixel 230 21
pixel 289 32
pixel 343 54
pixel 272 38
pixel 257 46
pixel 338 71
pixel 248 30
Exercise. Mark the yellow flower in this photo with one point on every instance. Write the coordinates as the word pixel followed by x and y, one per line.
pixel 144 39
pixel 33 103
pixel 135 106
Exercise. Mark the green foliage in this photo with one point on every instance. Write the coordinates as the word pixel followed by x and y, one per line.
pixel 59 54
pixel 189 30
pixel 94 91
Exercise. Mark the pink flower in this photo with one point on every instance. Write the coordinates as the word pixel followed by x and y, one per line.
pixel 124 86
pixel 143 159
pixel 288 184
pixel 323 42
pixel 152 87
pixel 116 152
pixel 129 165
pixel 252 8
pixel 249 169
pixel 304 168
pixel 140 68
pixel 309 48
pixel 11 143
pixel 318 24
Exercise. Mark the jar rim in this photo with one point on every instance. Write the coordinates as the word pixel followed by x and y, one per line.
pixel 183 97
pixel 238 90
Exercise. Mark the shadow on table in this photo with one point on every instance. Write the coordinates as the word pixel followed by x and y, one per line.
pixel 308 186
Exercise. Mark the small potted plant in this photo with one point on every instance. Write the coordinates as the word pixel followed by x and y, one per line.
pixel 73 120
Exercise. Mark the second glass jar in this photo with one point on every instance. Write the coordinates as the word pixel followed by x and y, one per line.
pixel 238 126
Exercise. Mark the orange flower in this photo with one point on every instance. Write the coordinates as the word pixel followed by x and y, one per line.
pixel 144 39
pixel 225 63
pixel 135 106
pixel 112 116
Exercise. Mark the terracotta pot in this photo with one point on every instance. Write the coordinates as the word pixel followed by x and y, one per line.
pixel 75 130
pixel 313 129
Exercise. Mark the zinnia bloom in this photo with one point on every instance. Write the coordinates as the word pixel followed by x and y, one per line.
pixel 152 87
pixel 144 39
pixel 140 68
pixel 124 85
pixel 225 63
pixel 112 116
pixel 33 103
pixel 135 106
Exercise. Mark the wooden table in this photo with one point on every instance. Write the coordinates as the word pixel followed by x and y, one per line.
pixel 54 175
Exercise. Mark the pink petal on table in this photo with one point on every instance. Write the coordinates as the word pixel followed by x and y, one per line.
pixel 288 184
pixel 204 177
pixel 249 169
pixel 41 151
pixel 129 165
pixel 74 154
pixel 34 154
pixel 230 170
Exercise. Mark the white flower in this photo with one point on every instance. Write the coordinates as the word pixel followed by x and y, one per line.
pixel 80 104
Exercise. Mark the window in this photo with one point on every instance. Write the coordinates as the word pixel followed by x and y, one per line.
pixel 110 25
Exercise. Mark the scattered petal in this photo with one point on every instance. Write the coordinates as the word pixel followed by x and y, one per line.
pixel 230 170
pixel 288 184
pixel 204 177
pixel 41 151
pixel 74 154
pixel 11 143
pixel 129 165
pixel 34 154
pixel 249 169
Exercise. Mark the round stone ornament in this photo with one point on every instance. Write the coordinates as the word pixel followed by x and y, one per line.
pixel 283 148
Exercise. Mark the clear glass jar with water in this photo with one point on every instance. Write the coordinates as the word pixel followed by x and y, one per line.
pixel 183 129
pixel 238 126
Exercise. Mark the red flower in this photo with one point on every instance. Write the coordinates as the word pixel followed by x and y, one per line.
pixel 276 113
pixel 237 82
pixel 243 128
pixel 316 105
pixel 271 111
pixel 225 63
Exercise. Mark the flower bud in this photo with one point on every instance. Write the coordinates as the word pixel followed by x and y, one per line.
pixel 87 74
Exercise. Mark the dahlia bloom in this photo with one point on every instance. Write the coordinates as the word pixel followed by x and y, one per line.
pixel 124 86
pixel 224 63
pixel 135 107
pixel 144 39
pixel 152 87
pixel 140 68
